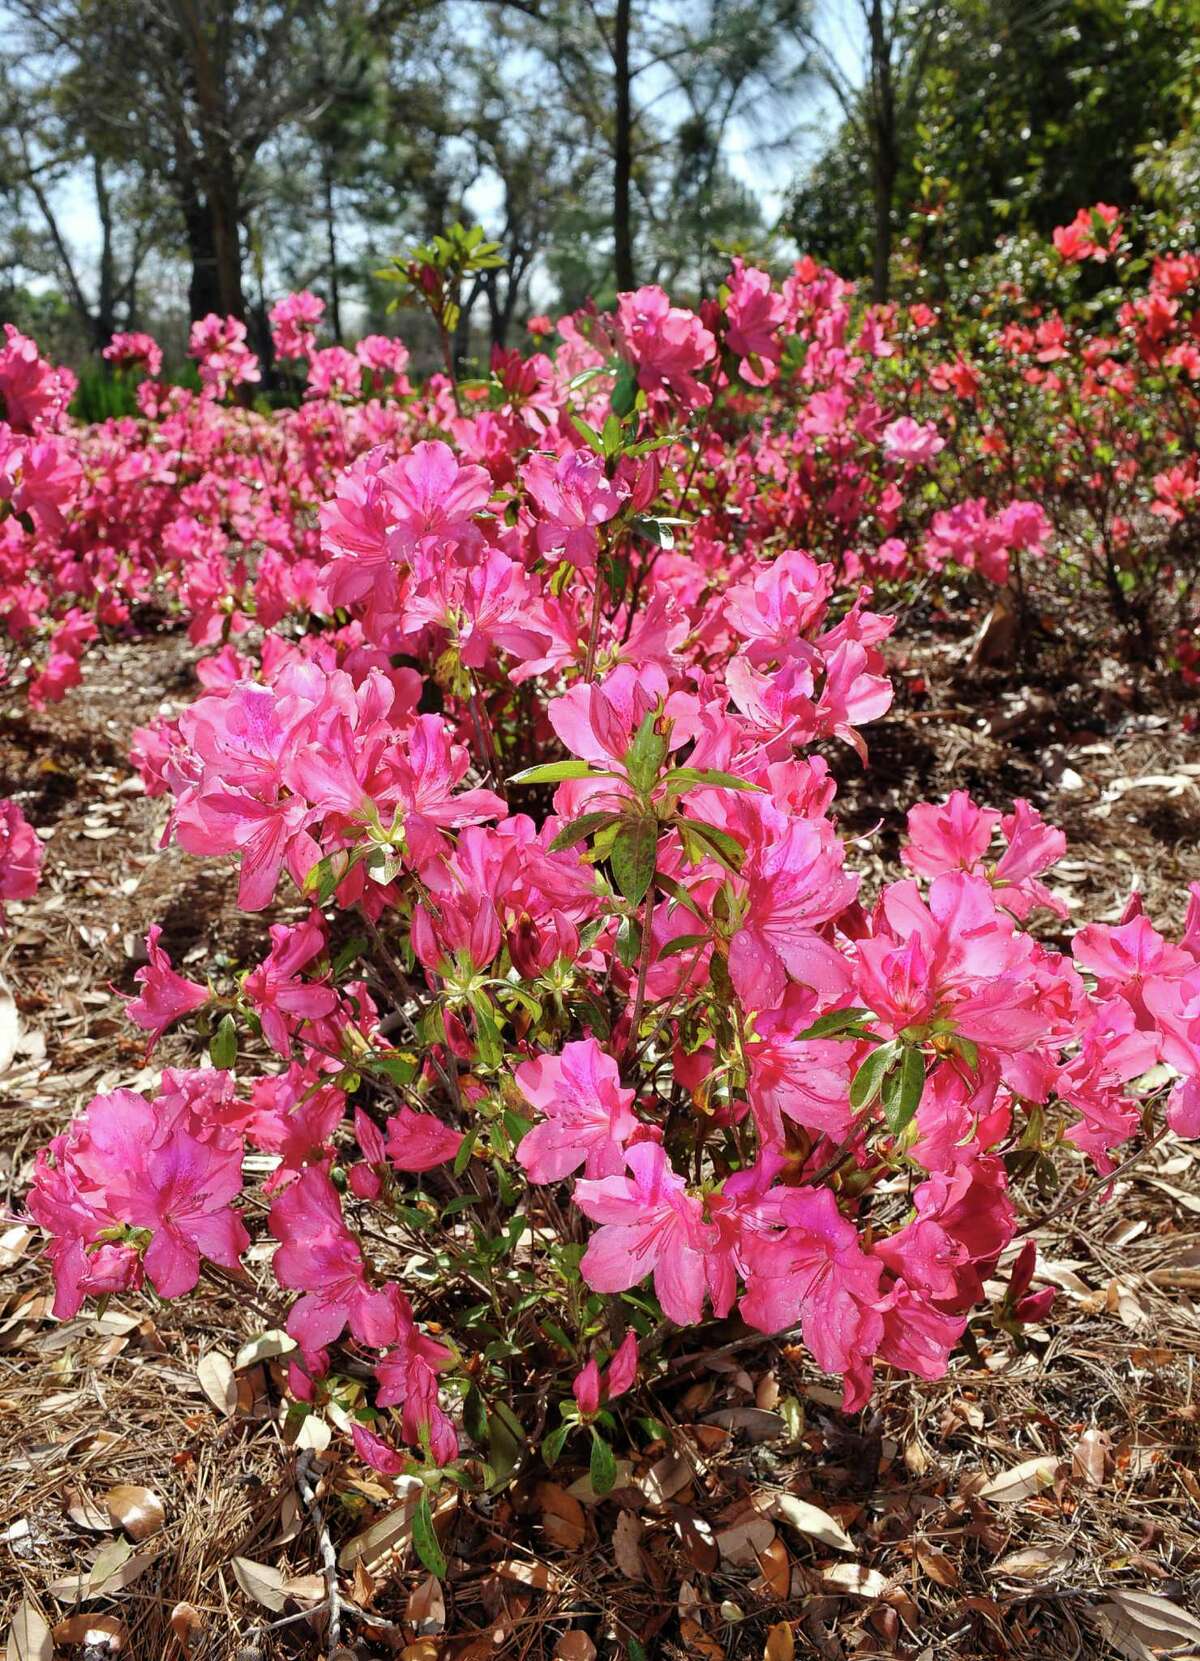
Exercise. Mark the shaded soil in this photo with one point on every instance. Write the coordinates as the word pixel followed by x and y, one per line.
pixel 1092 1551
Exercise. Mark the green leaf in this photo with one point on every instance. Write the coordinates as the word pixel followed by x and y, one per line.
pixel 903 1089
pixel 506 1439
pixel 475 1415
pixel 657 531
pixel 224 1046
pixel 709 775
pixel 629 941
pixel 322 878
pixel 349 952
pixel 838 1021
pixel 681 943
pixel 679 893
pixel 645 756
pixel 726 848
pixel 868 1081
pixel 602 1467
pixel 553 1444
pixel 579 830
pixel 587 432
pixel 552 772
pixel 633 856
pixel 465 1149
pixel 611 435
pixel 624 393
pixel 425 1540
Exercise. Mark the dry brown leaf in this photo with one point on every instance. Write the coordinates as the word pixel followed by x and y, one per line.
pixel 776 1568
pixel 700 1642
pixel 805 1518
pixel 187 1625
pixel 85 1513
pixel 780 1644
pixel 696 1539
pixel 583 1491
pixel 562 1516
pixel 757 1424
pixel 540 1576
pixel 215 1372
pixel 426 1610
pixel 13 1243
pixel 1031 1476
pixel 10 1027
pixel 742 1544
pixel 626 1546
pixel 667 1477
pixel 1092 1457
pixel 1156 1622
pixel 387 1534
pixel 1034 1562
pixel 101 1634
pixel 139 1511
pixel 855 1580
pixel 305 1588
pixel 113 1568
pixel 937 1566
pixel 263 1348
pixel 29 1635
pixel 260 1581
pixel 575 1646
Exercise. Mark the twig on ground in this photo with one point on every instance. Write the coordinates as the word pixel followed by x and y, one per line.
pixel 308 1493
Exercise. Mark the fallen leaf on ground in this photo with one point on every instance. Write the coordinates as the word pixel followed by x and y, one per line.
pixel 103 1635
pixel 263 1348
pixel 626 1544
pixel 215 1372
pixel 856 1580
pixel 139 1511
pixel 562 1516
pixel 540 1576
pixel 805 1518
pixel 1034 1562
pixel 260 1581
pixel 667 1477
pixel 29 1635
pixel 426 1609
pixel 780 1644
pixel 1031 1476
pixel 741 1544
pixel 937 1566
pixel 575 1646
pixel 84 1511
pixel 1092 1457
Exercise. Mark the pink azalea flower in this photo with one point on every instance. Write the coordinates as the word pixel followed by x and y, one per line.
pixel 165 995
pixel 650 1225
pixel 587 1115
pixel 319 1257
pixel 420 1141
pixel 280 998
pixel 911 441
pixel 590 1389
pixel 20 855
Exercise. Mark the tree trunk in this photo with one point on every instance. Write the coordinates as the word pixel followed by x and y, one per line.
pixel 218 171
pixel 106 320
pixel 623 153
pixel 883 132
pixel 335 297
pixel 204 293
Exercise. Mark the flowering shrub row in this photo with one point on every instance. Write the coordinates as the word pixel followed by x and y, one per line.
pixel 527 722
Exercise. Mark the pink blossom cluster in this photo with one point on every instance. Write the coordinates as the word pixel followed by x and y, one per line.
pixel 537 695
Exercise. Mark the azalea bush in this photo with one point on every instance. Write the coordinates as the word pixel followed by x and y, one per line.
pixel 577 1025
